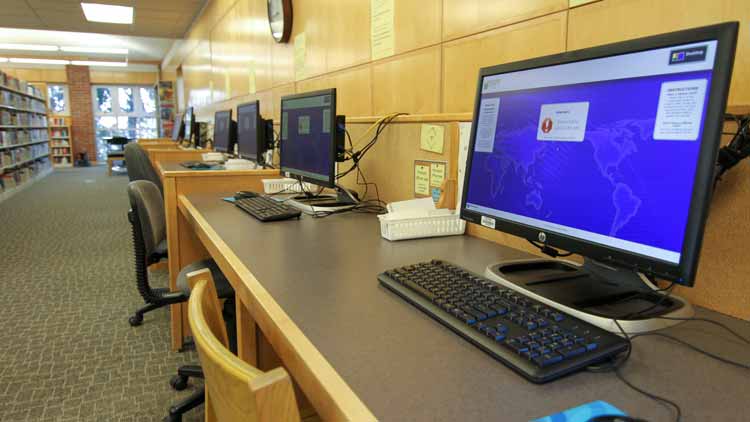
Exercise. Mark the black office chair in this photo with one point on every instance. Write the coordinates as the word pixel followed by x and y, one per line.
pixel 146 217
pixel 140 167
pixel 148 226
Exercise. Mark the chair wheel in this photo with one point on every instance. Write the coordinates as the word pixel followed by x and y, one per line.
pixel 135 320
pixel 178 382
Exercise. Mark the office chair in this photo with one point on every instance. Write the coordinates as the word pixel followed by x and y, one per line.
pixel 148 226
pixel 235 391
pixel 140 167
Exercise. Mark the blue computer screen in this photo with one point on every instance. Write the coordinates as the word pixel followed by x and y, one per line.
pixel 306 138
pixel 604 150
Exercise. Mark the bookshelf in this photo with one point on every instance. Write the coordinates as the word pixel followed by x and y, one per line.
pixel 24 139
pixel 61 141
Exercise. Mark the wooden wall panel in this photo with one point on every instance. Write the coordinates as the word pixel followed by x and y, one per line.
pixel 465 17
pixel 463 58
pixel 610 21
pixel 38 75
pixel 347 37
pixel 408 83
pixel 313 19
pixel 276 94
pixel 417 24
pixel 390 163
pixel 352 89
pixel 115 77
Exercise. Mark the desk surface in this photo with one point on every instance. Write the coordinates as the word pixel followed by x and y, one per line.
pixel 174 169
pixel 405 366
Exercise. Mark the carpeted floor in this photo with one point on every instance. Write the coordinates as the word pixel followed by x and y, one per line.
pixel 67 288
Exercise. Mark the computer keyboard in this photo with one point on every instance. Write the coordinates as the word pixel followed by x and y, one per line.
pixel 266 209
pixel 198 165
pixel 535 340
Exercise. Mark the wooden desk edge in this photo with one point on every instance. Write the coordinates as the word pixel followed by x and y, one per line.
pixel 227 173
pixel 330 395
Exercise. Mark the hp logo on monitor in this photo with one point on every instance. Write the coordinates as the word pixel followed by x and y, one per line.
pixel 542 237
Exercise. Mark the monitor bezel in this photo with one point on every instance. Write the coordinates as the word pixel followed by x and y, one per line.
pixel 685 271
pixel 179 127
pixel 259 142
pixel 189 126
pixel 229 130
pixel 331 182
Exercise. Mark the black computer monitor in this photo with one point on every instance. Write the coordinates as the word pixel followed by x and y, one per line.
pixel 189 121
pixel 178 130
pixel 254 133
pixel 309 136
pixel 225 132
pixel 607 152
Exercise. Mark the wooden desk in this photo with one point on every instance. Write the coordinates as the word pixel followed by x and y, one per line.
pixel 178 181
pixel 359 352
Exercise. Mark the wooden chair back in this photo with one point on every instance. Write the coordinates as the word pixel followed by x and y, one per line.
pixel 235 390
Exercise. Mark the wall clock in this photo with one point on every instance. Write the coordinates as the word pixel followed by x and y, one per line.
pixel 280 19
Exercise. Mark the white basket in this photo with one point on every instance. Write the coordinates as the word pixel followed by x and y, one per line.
pixel 418 227
pixel 285 185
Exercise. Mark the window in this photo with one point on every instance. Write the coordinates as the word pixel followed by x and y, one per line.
pixel 128 111
pixel 58 99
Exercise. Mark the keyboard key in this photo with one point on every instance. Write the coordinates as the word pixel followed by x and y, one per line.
pixel 571 351
pixel 547 359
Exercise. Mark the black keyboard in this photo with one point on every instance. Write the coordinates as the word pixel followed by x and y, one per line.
pixel 266 209
pixel 537 341
pixel 197 165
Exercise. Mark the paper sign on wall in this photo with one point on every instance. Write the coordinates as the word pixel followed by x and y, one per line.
pixel 299 56
pixel 437 174
pixel 464 134
pixel 251 77
pixel 432 138
pixel 381 28
pixel 421 179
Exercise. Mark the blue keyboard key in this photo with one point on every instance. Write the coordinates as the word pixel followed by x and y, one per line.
pixel 547 359
pixel 591 346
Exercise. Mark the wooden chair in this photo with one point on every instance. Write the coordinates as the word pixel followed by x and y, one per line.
pixel 235 391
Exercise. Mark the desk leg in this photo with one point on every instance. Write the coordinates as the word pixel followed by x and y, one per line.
pixel 173 249
pixel 247 344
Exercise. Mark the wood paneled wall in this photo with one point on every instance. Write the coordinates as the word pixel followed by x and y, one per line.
pixel 439 47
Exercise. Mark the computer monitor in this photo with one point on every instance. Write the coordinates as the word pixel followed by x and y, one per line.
pixel 309 136
pixel 178 130
pixel 225 132
pixel 189 122
pixel 254 134
pixel 607 152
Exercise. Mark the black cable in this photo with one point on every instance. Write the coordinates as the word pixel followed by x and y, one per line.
pixel 709 321
pixel 695 348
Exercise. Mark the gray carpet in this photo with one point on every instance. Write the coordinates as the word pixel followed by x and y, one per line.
pixel 67 288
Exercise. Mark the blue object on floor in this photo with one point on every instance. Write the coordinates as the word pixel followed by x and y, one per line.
pixel 583 413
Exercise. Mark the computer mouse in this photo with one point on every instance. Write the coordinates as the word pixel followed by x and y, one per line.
pixel 615 418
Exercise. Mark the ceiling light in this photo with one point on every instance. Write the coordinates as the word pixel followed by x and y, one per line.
pixel 38 61
pixel 107 13
pixel 95 63
pixel 102 50
pixel 32 47
pixel 3 60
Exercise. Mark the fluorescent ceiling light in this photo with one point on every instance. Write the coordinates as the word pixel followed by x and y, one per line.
pixel 32 47
pixel 95 63
pixel 102 50
pixel 107 13
pixel 3 60
pixel 38 61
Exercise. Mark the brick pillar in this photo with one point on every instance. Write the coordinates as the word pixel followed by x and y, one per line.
pixel 81 110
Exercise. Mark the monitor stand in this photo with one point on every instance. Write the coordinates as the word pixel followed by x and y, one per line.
pixel 342 200
pixel 594 292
